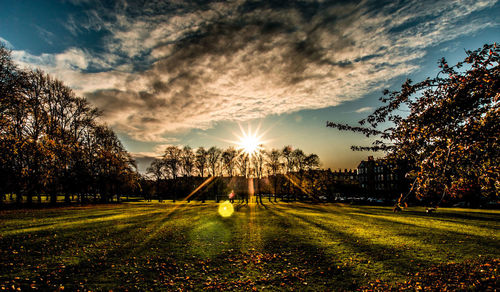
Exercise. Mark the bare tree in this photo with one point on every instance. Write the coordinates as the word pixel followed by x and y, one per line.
pixel 188 161
pixel 298 160
pixel 243 163
pixel 157 171
pixel 214 155
pixel 286 153
pixel 274 165
pixel 172 159
pixel 259 158
pixel 201 161
pixel 228 159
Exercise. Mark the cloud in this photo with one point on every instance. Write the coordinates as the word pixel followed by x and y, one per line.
pixel 6 43
pixel 143 161
pixel 364 109
pixel 172 66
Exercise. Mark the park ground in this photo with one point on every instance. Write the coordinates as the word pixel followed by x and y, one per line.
pixel 280 246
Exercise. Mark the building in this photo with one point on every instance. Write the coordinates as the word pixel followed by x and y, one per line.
pixel 382 178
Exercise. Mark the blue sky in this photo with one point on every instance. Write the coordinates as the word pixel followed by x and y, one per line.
pixel 189 72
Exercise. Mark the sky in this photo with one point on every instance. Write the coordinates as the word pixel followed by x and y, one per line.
pixel 194 72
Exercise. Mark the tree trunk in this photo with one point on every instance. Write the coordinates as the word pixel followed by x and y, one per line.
pixel 53 198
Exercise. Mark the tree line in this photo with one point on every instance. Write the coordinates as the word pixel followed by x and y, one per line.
pixel 51 143
pixel 184 161
pixel 270 171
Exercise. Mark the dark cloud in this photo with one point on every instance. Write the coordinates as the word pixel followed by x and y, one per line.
pixel 187 64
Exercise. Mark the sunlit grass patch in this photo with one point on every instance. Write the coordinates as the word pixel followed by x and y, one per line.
pixel 277 246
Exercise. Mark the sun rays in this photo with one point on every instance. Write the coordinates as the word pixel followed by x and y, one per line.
pixel 250 142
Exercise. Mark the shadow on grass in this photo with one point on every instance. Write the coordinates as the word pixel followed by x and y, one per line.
pixel 398 261
pixel 91 250
pixel 445 215
pixel 300 264
pixel 436 231
pixel 192 248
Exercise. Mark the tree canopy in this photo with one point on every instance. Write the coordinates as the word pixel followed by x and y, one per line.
pixel 451 132
pixel 51 142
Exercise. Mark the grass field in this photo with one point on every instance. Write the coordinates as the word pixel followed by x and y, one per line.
pixel 276 246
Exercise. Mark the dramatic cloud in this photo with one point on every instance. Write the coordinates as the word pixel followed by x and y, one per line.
pixel 166 67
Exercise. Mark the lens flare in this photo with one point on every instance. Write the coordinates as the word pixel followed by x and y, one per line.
pixel 226 209
pixel 250 142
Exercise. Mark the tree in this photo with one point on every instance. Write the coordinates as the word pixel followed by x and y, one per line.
pixel 172 160
pixel 51 143
pixel 274 166
pixel 451 133
pixel 187 160
pixel 213 158
pixel 286 153
pixel 298 160
pixel 201 160
pixel 311 162
pixel 243 163
pixel 259 158
pixel 156 170
pixel 228 160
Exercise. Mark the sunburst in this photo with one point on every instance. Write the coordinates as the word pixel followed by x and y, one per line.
pixel 250 142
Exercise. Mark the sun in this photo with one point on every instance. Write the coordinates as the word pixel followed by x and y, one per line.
pixel 249 142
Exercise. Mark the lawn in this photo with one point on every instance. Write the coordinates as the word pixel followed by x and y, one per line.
pixel 276 246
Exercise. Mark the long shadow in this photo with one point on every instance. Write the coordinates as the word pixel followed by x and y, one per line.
pixel 383 254
pixel 320 267
pixel 454 240
pixel 443 217
pixel 260 206
pixel 415 225
pixel 73 223
pixel 80 235
pixel 424 234
pixel 68 219
pixel 109 250
pixel 319 208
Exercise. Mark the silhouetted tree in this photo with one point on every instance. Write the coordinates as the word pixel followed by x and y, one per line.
pixel 213 159
pixel 243 163
pixel 228 160
pixel 201 160
pixel 51 143
pixel 274 165
pixel 188 161
pixel 451 133
pixel 157 171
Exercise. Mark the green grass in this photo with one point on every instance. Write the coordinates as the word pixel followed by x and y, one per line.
pixel 279 246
